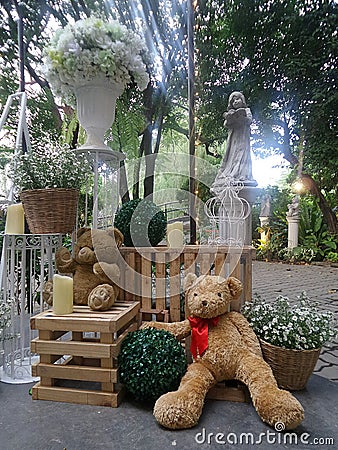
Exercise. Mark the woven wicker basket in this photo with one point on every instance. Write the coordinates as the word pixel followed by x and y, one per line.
pixel 291 368
pixel 50 210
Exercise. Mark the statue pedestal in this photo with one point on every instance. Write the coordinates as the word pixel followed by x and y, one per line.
pixel 264 221
pixel 293 223
pixel 249 193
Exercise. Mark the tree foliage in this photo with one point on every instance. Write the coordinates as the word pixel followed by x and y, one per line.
pixel 283 56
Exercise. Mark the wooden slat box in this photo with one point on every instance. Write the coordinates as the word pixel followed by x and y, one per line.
pixel 154 276
pixel 78 354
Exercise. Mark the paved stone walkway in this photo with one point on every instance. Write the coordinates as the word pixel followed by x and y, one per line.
pixel 320 283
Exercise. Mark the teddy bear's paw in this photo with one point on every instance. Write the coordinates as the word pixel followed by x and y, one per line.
pixel 176 412
pixel 47 293
pixel 102 297
pixel 281 410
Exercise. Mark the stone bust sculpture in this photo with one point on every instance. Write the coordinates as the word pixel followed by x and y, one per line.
pixel 237 162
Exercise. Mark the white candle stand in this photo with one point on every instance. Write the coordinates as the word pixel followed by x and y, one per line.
pixel 105 165
pixel 27 262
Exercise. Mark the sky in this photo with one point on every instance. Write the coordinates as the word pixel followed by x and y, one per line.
pixel 270 170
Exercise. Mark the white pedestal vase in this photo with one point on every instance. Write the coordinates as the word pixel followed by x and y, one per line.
pixel 95 104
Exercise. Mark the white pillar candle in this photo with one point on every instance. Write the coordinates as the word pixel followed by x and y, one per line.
pixel 15 220
pixel 175 235
pixel 62 295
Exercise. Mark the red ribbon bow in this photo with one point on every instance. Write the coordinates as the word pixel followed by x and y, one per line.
pixel 199 334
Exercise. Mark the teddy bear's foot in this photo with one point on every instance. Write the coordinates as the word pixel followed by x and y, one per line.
pixel 175 412
pixel 102 297
pixel 183 408
pixel 47 293
pixel 280 409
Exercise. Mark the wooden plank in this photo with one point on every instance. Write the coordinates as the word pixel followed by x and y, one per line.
pixel 86 349
pixel 75 372
pixel 247 279
pixel 107 338
pixel 204 261
pixel 232 394
pixel 220 265
pixel 160 259
pixel 79 396
pixel 175 289
pixel 146 284
pixel 129 287
pixel 85 320
pixel 189 263
pixel 236 272
pixel 115 347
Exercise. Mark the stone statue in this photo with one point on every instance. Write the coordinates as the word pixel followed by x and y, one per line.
pixel 237 163
pixel 293 208
pixel 266 206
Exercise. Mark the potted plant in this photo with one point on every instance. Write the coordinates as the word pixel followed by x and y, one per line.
pixel 48 180
pixel 291 336
pixel 95 60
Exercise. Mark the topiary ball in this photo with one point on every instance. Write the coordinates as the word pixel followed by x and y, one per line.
pixel 141 222
pixel 151 363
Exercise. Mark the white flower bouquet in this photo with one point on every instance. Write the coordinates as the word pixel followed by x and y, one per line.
pixel 50 166
pixel 90 47
pixel 299 326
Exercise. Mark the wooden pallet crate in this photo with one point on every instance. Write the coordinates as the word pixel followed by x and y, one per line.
pixel 78 354
pixel 154 276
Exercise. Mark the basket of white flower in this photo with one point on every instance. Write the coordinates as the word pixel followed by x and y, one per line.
pixel 291 336
pixel 48 181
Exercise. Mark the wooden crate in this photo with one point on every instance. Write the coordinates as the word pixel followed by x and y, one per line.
pixel 78 354
pixel 154 276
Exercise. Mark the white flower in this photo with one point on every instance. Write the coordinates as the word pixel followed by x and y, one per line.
pixel 89 47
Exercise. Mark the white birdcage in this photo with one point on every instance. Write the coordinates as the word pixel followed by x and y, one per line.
pixel 227 213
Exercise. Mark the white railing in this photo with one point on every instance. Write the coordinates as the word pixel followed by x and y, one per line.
pixel 28 261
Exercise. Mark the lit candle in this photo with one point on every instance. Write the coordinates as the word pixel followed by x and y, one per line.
pixel 15 220
pixel 175 235
pixel 62 295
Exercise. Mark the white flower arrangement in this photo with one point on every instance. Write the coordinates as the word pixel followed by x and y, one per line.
pixel 49 166
pixel 90 47
pixel 298 326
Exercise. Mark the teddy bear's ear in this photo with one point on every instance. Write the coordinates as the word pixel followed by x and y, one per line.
pixel 117 235
pixel 235 287
pixel 81 231
pixel 189 281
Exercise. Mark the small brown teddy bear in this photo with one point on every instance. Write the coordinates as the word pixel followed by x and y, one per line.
pixel 94 268
pixel 224 347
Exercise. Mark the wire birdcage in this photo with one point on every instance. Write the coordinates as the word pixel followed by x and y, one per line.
pixel 227 213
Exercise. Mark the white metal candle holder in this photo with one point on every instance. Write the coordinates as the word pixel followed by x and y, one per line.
pixel 28 260
pixel 227 213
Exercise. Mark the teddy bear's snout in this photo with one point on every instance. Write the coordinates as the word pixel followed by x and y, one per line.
pixel 204 303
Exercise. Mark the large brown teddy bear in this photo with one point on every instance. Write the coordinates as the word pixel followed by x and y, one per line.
pixel 94 268
pixel 224 347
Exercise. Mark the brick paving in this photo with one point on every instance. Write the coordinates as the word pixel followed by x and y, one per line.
pixel 320 282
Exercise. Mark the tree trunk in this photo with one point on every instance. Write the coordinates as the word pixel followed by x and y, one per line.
pixel 124 191
pixel 329 215
pixel 310 184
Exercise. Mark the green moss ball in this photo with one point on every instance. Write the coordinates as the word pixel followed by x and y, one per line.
pixel 151 363
pixel 141 222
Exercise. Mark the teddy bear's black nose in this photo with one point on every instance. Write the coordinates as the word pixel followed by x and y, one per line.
pixel 204 303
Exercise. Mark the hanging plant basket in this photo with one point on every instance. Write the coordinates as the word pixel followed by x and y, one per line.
pixel 291 368
pixel 50 210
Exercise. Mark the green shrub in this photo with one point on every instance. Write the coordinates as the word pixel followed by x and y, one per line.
pixel 151 363
pixel 141 222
